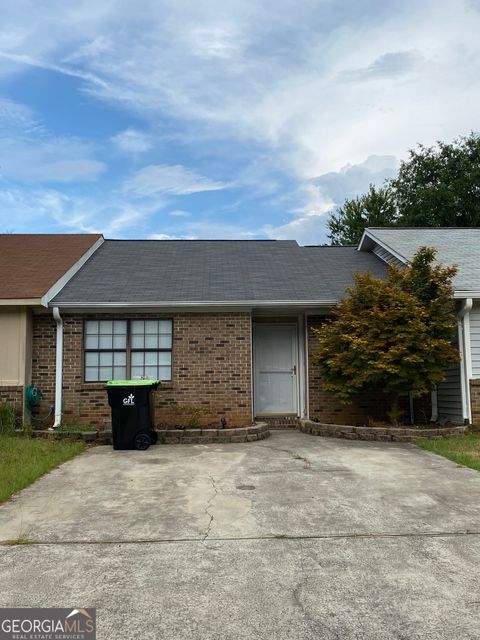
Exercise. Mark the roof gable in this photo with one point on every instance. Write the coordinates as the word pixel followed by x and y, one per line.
pixel 31 264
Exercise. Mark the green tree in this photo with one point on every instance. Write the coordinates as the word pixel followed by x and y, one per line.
pixel 376 208
pixel 394 334
pixel 435 187
pixel 440 186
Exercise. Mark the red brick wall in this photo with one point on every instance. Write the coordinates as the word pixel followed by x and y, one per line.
pixel 13 396
pixel 211 371
pixel 374 405
pixel 475 401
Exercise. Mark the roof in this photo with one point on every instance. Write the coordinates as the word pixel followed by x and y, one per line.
pixel 455 246
pixel 30 264
pixel 153 272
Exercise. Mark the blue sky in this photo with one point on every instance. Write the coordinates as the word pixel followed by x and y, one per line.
pixel 236 119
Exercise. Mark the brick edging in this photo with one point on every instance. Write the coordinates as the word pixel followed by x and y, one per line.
pixel 257 431
pixel 384 434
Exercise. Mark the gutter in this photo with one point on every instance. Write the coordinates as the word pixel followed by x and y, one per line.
pixel 463 320
pixel 58 368
pixel 173 304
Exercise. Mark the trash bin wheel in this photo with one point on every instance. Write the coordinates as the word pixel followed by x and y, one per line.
pixel 142 441
pixel 153 436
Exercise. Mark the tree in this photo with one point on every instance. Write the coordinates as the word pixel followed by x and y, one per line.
pixel 440 186
pixel 435 187
pixel 374 209
pixel 394 334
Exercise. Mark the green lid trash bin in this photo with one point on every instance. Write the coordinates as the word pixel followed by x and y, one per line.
pixel 132 414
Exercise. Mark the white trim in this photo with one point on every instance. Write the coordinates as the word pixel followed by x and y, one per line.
pixel 466 294
pixel 174 304
pixel 58 368
pixel 58 286
pixel 302 410
pixel 371 236
pixel 252 373
pixel 463 320
pixel 307 364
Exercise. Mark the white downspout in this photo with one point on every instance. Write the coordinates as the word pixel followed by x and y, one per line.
pixel 58 368
pixel 464 348
pixel 434 398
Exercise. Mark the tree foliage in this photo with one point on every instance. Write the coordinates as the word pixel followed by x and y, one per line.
pixel 376 208
pixel 394 334
pixel 435 187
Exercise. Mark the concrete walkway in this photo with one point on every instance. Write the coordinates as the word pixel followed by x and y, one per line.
pixel 290 537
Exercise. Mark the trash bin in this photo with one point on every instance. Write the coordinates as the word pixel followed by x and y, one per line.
pixel 131 403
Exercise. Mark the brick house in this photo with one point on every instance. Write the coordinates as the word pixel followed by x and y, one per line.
pixel 227 326
pixel 33 269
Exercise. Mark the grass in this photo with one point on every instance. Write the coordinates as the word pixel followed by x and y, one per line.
pixel 23 460
pixel 16 542
pixel 76 428
pixel 463 450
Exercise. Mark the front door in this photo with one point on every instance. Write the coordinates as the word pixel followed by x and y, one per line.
pixel 275 363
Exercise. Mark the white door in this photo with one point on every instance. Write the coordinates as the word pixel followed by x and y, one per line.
pixel 275 362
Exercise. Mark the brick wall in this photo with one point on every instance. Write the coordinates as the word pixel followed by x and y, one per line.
pixel 13 396
pixel 374 405
pixel 211 371
pixel 475 401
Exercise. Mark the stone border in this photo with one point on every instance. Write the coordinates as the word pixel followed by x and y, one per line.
pixel 257 431
pixel 383 434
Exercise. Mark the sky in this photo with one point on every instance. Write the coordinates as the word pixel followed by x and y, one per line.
pixel 239 119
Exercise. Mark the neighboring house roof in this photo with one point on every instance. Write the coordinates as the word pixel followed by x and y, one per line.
pixel 455 246
pixel 158 272
pixel 31 264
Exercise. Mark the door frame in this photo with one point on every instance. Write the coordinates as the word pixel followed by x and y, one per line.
pixel 299 363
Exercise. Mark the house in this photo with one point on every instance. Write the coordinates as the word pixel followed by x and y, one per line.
pixel 227 326
pixel 458 398
pixel 33 269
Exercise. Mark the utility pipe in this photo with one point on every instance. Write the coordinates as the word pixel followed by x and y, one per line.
pixel 463 318
pixel 58 368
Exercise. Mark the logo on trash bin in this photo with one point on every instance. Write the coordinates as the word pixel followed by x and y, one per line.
pixel 130 400
pixel 50 624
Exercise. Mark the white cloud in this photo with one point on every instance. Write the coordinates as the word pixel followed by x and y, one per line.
pixel 171 180
pixel 132 141
pixel 179 213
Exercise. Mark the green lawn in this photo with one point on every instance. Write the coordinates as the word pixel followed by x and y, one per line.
pixel 23 460
pixel 464 450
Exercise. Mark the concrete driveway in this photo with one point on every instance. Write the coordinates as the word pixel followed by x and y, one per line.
pixel 290 537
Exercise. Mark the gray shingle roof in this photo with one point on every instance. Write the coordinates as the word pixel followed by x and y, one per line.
pixel 455 246
pixel 160 271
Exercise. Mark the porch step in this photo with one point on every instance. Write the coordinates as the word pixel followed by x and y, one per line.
pixel 279 422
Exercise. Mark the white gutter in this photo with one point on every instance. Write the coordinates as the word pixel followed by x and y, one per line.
pixel 58 368
pixel 206 303
pixel 463 319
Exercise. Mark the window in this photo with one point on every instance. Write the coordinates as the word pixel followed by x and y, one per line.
pixel 119 349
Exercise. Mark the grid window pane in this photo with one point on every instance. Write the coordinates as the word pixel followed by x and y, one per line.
pixel 151 342
pixel 91 326
pixel 165 341
pixel 106 343
pixel 138 341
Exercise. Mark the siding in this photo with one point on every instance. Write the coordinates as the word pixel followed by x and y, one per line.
pixel 475 339
pixel 386 256
pixel 449 394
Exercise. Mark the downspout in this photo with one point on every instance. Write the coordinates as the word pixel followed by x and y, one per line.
pixel 463 319
pixel 58 368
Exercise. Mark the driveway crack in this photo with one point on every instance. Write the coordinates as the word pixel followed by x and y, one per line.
pixel 208 507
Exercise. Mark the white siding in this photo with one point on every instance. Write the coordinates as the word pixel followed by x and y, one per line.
pixel 449 395
pixel 475 339
pixel 386 256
